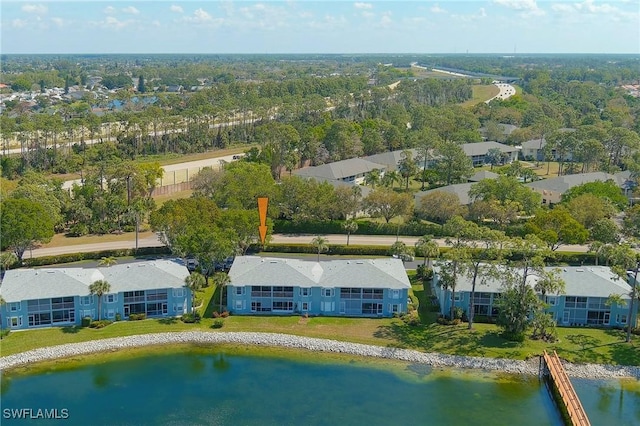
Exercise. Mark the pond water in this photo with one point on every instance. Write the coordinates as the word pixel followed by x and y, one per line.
pixel 221 389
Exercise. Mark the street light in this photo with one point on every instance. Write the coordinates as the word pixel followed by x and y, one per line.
pixel 633 299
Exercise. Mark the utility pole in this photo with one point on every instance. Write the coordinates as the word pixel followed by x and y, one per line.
pixel 631 304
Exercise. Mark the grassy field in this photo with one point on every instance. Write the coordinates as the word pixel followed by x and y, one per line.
pixel 481 93
pixel 574 344
pixel 60 240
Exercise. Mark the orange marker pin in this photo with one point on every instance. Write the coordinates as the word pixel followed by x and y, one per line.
pixel 262 212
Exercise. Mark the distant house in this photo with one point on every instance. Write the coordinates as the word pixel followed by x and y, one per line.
pixel 351 170
pixel 46 297
pixel 362 288
pixel 584 302
pixel 459 189
pixel 477 152
pixel 391 159
pixel 484 174
pixel 553 188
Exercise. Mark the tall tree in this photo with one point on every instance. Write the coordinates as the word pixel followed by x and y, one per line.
pixel 407 166
pixel 452 164
pixel 428 248
pixel 194 282
pixel 350 226
pixel 388 204
pixel 320 244
pixel 556 227
pixel 24 223
pixel 99 288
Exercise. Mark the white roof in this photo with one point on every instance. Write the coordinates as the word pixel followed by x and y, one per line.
pixel 44 283
pixel 361 273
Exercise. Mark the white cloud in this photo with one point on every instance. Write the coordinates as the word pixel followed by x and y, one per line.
pixel 18 23
pixel 109 10
pixel 202 17
pixel 112 23
pixel 385 20
pixel 176 9
pixel 131 10
pixel 360 5
pixel 330 22
pixel 38 9
pixel 471 17
pixel 59 22
pixel 574 11
pixel 437 9
pixel 528 8
pixel 483 13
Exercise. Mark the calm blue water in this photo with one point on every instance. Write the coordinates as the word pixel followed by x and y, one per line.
pixel 218 389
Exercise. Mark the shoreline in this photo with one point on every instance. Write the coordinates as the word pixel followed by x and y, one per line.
pixel 529 367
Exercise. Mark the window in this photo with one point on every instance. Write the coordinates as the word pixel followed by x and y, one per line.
pixel 327 292
pixel 306 306
pixel 111 313
pixel 178 309
pixel 551 300
pixel 239 305
pixel 621 318
pixel 283 306
pixel 575 302
pixel 304 291
pixel 327 306
pixel 15 321
pixel 178 292
pixel 394 308
pixel 14 306
pixel 456 297
pixel 239 291
pixel 88 313
pixel 110 298
pixel 372 308
pixel 85 300
pixel 395 294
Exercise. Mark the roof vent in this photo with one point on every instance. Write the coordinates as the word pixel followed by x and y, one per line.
pixel 359 263
pixel 273 261
pixel 51 272
pixel 579 270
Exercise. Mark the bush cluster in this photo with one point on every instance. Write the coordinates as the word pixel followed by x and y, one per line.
pixel 190 318
pixel 446 321
pixel 222 314
pixel 137 317
pixel 365 227
pixel 100 324
pixel 412 318
pixel 86 321
pixel 218 323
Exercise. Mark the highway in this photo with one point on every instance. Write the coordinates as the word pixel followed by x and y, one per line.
pixel 150 239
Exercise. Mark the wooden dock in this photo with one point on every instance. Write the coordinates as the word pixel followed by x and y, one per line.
pixel 551 365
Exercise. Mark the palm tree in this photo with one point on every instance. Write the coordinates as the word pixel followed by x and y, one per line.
pixel 194 282
pixel 320 243
pixel 99 288
pixel 107 261
pixel 372 178
pixel 428 248
pixel 350 226
pixel 390 178
pixel 7 259
pixel 221 279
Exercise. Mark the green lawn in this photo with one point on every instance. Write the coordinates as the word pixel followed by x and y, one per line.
pixel 481 93
pixel 575 344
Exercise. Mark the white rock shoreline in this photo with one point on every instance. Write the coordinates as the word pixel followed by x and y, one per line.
pixel 590 371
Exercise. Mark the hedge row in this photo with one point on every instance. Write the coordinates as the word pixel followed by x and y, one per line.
pixel 365 227
pixel 560 258
pixel 96 255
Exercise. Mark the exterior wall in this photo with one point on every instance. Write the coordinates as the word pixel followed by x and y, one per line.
pixel 549 197
pixel 278 300
pixel 69 311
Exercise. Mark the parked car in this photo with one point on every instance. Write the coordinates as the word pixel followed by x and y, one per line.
pixel 405 257
pixel 192 264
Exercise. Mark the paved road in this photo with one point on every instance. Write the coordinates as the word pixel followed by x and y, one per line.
pixel 506 91
pixel 151 240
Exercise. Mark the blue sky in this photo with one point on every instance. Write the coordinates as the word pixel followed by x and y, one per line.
pixel 444 26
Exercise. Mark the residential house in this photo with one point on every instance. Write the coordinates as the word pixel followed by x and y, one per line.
pixel 483 174
pixel 553 188
pixel 459 189
pixel 46 297
pixel 477 152
pixel 506 130
pixel 362 287
pixel 391 159
pixel 352 170
pixel 585 301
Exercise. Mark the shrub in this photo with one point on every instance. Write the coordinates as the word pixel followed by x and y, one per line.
pixel 86 321
pixel 118 316
pixel 224 314
pixel 446 321
pixel 514 337
pixel 218 323
pixel 411 319
pixel 458 312
pixel 190 318
pixel 100 324
pixel 216 314
pixel 76 257
pixel 137 317
pixel 5 332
